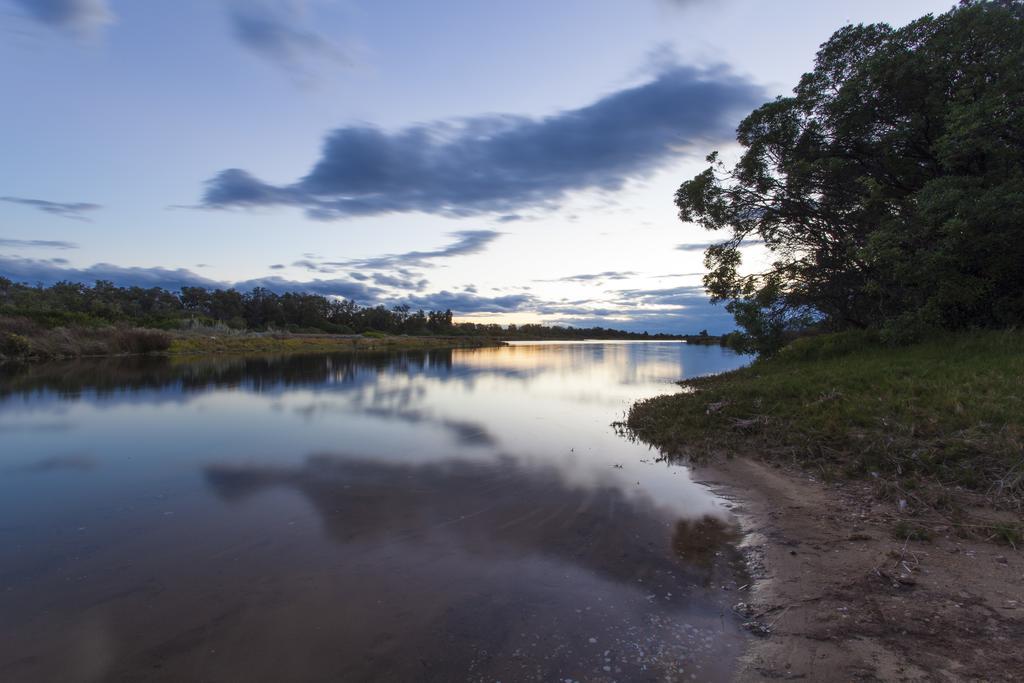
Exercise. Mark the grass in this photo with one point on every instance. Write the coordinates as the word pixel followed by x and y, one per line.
pixel 928 422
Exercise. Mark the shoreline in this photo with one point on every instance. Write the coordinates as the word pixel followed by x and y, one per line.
pixel 192 345
pixel 188 345
pixel 842 599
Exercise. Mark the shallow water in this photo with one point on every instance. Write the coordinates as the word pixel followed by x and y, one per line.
pixel 466 514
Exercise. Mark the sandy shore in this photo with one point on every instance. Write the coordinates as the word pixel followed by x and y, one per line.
pixel 842 600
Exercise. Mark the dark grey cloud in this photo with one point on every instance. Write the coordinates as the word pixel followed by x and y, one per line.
pixel 75 210
pixel 37 244
pixel 47 272
pixel 275 30
pixel 397 282
pixel 503 163
pixel 591 277
pixel 356 291
pixel 83 17
pixel 465 302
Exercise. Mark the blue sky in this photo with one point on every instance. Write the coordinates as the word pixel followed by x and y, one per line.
pixel 512 159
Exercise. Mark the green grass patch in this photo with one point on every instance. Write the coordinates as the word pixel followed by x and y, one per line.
pixel 949 411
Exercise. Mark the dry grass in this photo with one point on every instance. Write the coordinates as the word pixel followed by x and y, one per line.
pixel 22 339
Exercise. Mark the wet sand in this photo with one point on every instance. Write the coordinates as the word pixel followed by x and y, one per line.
pixel 846 601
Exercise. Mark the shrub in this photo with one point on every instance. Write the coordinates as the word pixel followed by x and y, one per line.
pixel 14 345
pixel 138 340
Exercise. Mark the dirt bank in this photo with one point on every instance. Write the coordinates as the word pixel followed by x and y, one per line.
pixel 846 601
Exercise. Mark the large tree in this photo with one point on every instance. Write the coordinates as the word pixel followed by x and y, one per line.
pixel 889 188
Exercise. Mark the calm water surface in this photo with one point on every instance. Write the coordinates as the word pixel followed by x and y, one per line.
pixel 450 515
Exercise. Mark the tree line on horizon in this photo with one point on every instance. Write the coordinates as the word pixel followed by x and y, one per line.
pixel 67 304
pixel 888 189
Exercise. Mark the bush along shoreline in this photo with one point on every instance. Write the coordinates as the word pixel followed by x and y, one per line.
pixel 20 342
pixel 937 426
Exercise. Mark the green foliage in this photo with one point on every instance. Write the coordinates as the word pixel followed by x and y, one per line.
pixel 889 187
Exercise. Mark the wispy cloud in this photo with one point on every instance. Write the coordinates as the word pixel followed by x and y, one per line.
pixel 82 17
pixel 37 244
pixel 74 210
pixel 504 163
pixel 277 30
pixel 702 246
pixel 466 242
pixel 686 295
pixel 592 277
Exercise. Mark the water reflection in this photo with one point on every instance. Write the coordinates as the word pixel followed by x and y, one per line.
pixel 465 514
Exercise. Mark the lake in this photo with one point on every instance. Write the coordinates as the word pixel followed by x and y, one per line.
pixel 466 514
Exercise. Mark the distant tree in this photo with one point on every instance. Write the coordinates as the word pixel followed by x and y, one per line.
pixel 889 188
pixel 70 303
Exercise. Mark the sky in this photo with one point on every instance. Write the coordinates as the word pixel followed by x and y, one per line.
pixel 512 160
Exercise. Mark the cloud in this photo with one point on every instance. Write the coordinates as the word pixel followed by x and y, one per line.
pixel 702 246
pixel 48 272
pixel 356 291
pixel 385 280
pixel 686 295
pixel 37 244
pixel 590 277
pixel 74 210
pixel 82 17
pixel 466 242
pixel 273 29
pixel 465 302
pixel 504 163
